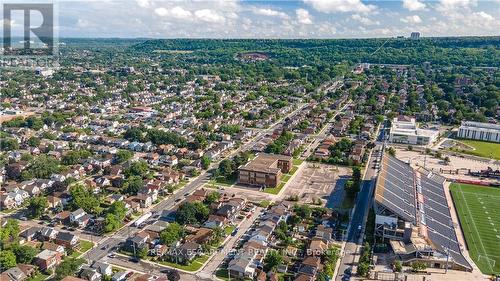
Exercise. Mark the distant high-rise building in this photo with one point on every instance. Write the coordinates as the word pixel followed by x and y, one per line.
pixel 415 35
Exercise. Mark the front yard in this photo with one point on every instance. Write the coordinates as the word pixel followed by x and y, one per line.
pixel 84 247
pixel 193 266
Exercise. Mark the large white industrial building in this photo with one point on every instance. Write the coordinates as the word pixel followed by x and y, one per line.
pixel 479 131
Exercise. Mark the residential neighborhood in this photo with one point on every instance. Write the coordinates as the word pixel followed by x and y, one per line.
pixel 251 160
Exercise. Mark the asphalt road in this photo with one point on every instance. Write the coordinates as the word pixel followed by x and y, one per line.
pixel 360 214
pixel 209 269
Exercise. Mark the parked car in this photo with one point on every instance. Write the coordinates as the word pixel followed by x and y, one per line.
pixel 234 232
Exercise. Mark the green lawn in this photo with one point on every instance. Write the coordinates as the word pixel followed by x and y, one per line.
pixel 293 170
pixel 193 266
pixel 297 162
pixel 84 247
pixel 224 181
pixel 482 148
pixel 284 180
pixel 264 203
pixel 478 209
pixel 222 274
pixel 275 190
pixel 229 229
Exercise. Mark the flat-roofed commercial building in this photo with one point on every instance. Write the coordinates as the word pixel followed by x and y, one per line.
pixel 479 131
pixel 404 130
pixel 265 170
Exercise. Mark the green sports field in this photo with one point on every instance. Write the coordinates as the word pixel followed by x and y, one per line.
pixel 479 210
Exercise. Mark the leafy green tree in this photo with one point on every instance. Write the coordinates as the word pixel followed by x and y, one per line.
pixel 398 266
pixel 205 162
pixel 9 233
pixel 85 199
pixel 133 185
pixel 217 235
pixel 7 260
pixel 418 266
pixel 363 269
pixel 123 155
pixel 302 211
pixel 172 233
pixel 118 209
pixel 41 167
pixel 331 255
pixel 34 142
pixel 37 206
pixel 212 197
pixel 142 252
pixel 192 213
pixel 226 168
pixel 111 223
pixel 68 267
pixel 25 254
pixel 7 144
pixel 138 168
pixel 272 260
pixel 73 157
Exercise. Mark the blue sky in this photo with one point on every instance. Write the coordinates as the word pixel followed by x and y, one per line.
pixel 276 19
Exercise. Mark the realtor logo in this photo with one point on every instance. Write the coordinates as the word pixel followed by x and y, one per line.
pixel 33 38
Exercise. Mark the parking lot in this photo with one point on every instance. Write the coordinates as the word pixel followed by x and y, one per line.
pixel 317 181
pixel 462 164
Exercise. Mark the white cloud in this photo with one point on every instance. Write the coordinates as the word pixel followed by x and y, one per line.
pixel 270 13
pixel 232 15
pixel 176 12
pixel 447 5
pixel 303 16
pixel 364 20
pixel 143 3
pixel 413 5
pixel 333 6
pixel 209 15
pixel 82 23
pixel 484 16
pixel 412 19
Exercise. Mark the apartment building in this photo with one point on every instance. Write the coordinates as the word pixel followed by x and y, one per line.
pixel 265 170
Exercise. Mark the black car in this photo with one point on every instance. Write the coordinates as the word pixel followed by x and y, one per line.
pixel 134 259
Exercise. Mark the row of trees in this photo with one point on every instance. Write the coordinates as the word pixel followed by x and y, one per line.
pixel 12 252
pixel 155 136
pixel 279 145
pixel 228 168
